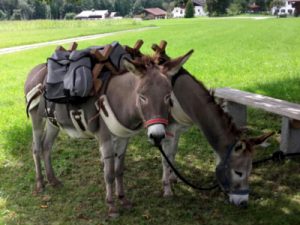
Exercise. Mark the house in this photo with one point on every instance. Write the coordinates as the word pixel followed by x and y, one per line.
pixel 296 5
pixel 199 7
pixel 286 8
pixel 178 12
pixel 93 14
pixel 253 8
pixel 155 13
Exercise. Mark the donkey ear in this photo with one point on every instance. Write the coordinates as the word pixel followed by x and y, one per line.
pixel 260 139
pixel 132 67
pixel 171 67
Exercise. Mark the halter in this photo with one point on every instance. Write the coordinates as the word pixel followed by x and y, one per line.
pixel 224 166
pixel 156 121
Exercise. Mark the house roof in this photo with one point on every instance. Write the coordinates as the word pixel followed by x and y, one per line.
pixel 253 6
pixel 156 11
pixel 92 13
pixel 199 2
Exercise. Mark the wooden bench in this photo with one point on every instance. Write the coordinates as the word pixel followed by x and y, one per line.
pixel 236 105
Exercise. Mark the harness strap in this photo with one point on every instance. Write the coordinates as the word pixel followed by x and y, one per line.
pixel 50 113
pixel 33 98
pixel 111 120
pixel 178 113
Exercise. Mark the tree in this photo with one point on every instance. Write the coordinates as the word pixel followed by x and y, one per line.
pixel 189 10
pixel 217 7
pixel 16 14
pixel 2 15
pixel 234 9
pixel 26 10
pixel 55 9
pixel 39 9
pixel 277 3
pixel 123 7
pixel 262 4
pixel 137 7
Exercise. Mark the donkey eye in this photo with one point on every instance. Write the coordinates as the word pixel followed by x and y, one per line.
pixel 240 174
pixel 167 99
pixel 143 99
pixel 239 147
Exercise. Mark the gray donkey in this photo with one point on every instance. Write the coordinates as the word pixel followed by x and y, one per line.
pixel 135 98
pixel 194 104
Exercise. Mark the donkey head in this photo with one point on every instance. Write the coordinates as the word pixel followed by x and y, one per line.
pixel 153 91
pixel 234 168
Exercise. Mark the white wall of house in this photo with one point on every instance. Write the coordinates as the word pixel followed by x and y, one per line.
pixel 287 7
pixel 179 12
pixel 199 11
pixel 93 14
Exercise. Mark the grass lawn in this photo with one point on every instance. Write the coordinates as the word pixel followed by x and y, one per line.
pixel 261 56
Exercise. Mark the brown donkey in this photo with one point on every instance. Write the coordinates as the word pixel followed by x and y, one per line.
pixel 140 96
pixel 193 104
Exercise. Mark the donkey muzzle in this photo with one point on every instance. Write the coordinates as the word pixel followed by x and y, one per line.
pixel 156 133
pixel 240 200
pixel 156 129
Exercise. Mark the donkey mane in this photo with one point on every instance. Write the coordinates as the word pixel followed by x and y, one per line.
pixel 228 121
pixel 145 61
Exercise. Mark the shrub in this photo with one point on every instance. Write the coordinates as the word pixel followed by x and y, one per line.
pixel 70 16
pixel 234 9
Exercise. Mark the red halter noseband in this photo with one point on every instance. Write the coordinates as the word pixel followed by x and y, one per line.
pixel 156 121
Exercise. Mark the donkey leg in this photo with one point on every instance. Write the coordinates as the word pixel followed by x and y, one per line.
pixel 37 133
pixel 49 139
pixel 109 176
pixel 170 148
pixel 120 146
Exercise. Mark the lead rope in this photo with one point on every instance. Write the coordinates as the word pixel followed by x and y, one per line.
pixel 184 180
pixel 278 156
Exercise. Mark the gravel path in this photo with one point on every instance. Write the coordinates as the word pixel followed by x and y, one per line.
pixel 4 51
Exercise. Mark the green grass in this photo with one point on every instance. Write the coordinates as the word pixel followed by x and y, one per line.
pixel 28 32
pixel 261 56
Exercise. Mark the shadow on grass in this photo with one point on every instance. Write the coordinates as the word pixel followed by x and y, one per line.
pixel 274 199
pixel 17 139
pixel 287 88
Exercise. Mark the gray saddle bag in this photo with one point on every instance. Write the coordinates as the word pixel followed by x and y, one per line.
pixel 69 78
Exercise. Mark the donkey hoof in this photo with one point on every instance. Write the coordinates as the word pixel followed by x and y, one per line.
pixel 126 204
pixel 55 183
pixel 168 194
pixel 39 188
pixel 113 213
pixel 174 179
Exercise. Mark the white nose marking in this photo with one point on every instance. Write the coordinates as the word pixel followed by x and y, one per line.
pixel 156 129
pixel 237 199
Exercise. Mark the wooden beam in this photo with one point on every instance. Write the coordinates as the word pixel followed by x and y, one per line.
pixel 73 46
pixel 60 48
pixel 277 106
pixel 138 45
